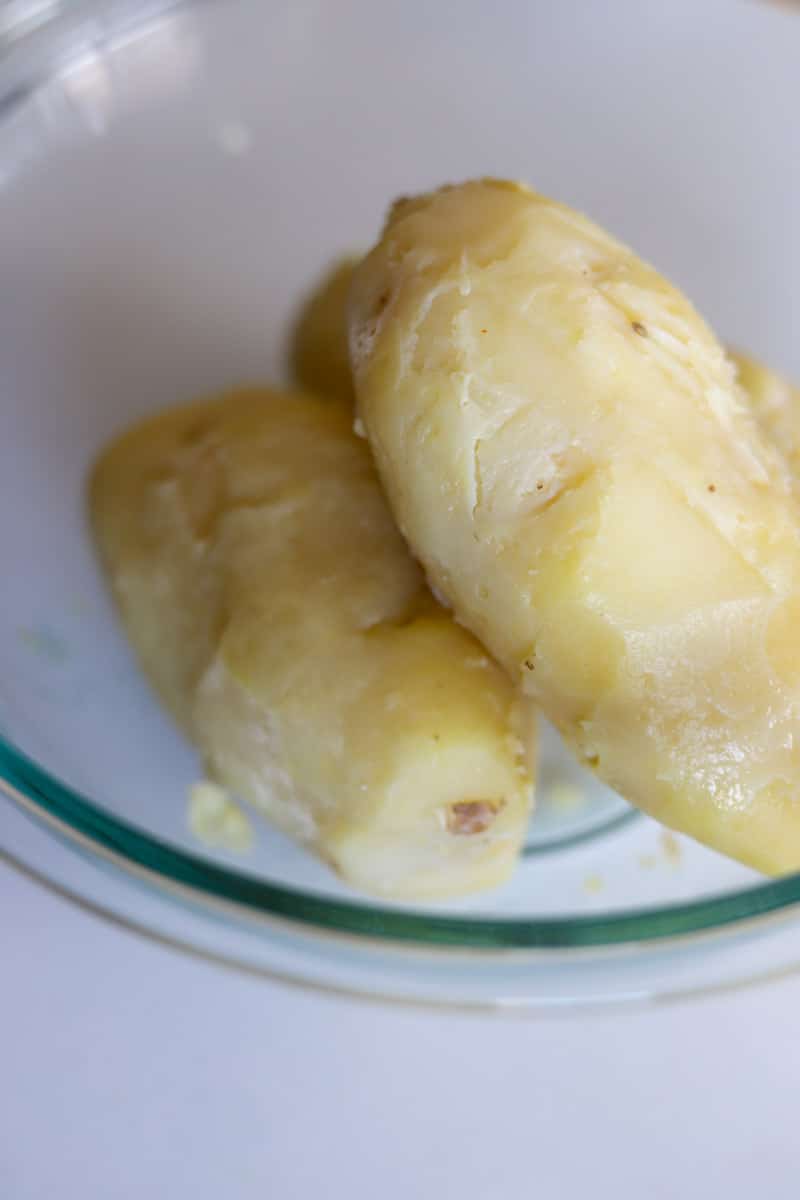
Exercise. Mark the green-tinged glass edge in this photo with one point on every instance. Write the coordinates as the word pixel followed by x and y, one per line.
pixel 257 897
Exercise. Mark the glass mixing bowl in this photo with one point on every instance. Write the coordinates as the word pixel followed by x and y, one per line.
pixel 173 177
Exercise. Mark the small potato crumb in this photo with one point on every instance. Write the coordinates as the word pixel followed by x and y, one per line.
pixel 565 796
pixel 593 884
pixel 214 818
pixel 671 847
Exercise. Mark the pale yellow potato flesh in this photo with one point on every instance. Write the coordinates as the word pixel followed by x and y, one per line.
pixel 776 404
pixel 274 606
pixel 566 449
pixel 319 361
pixel 318 355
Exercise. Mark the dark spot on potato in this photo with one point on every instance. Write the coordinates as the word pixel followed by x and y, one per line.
pixel 197 432
pixel 530 664
pixel 712 487
pixel 471 816
pixel 163 473
pixel 639 328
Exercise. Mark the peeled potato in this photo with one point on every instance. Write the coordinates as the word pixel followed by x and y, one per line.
pixel 776 404
pixel 566 449
pixel 318 354
pixel 274 606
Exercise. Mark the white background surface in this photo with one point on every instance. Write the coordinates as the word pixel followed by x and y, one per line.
pixel 131 1071
pixel 127 1071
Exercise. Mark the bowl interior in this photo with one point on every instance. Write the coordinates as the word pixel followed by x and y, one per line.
pixel 171 186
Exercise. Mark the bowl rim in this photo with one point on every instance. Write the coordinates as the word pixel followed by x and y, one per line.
pixel 44 41
pixel 210 884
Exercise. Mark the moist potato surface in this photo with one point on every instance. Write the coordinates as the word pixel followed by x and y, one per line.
pixel 274 606
pixel 566 449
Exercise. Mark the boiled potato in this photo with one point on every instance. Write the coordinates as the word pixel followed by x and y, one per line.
pixel 566 449
pixel 318 355
pixel 274 606
pixel 776 404
pixel 319 361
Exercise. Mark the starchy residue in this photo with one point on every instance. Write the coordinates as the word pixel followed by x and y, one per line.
pixel 565 796
pixel 216 819
pixel 670 847
pixel 593 884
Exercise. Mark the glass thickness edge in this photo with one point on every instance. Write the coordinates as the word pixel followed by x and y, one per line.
pixel 211 881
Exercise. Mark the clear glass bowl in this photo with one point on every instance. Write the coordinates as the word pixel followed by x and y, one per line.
pixel 172 178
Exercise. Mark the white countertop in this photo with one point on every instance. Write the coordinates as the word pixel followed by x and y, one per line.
pixel 129 1070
